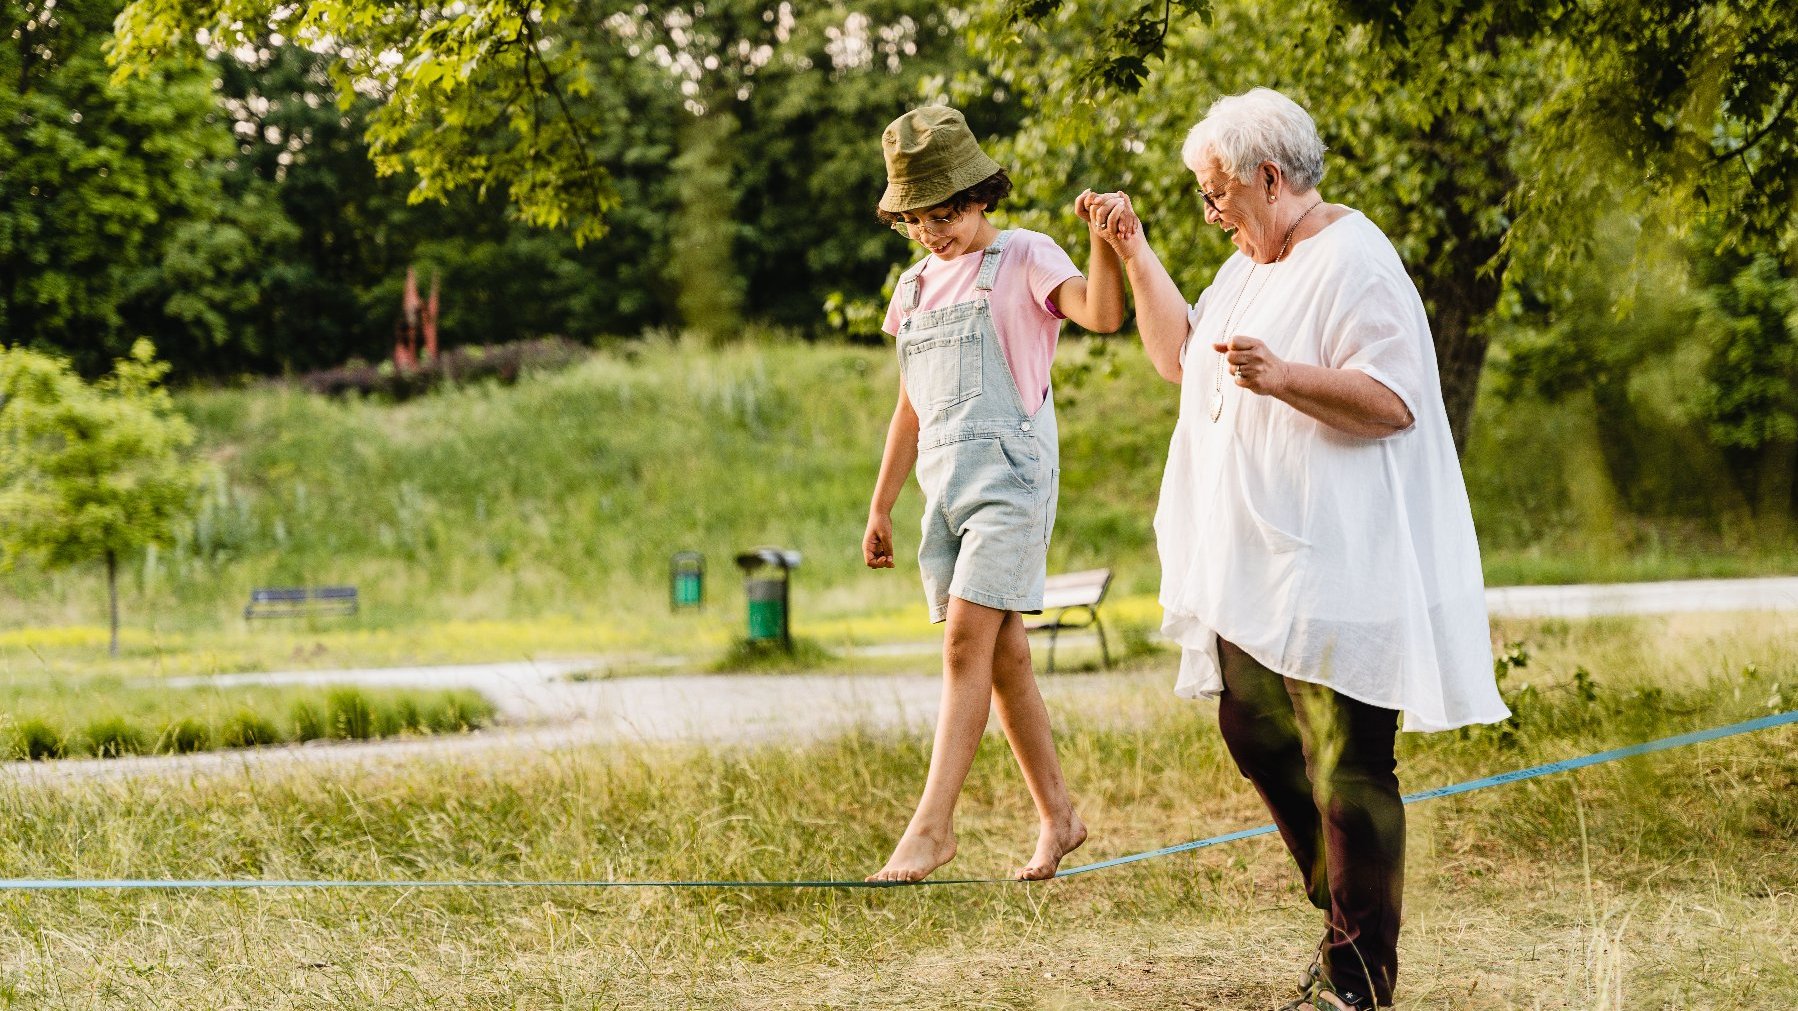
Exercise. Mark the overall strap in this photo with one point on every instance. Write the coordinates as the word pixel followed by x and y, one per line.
pixel 908 286
pixel 989 262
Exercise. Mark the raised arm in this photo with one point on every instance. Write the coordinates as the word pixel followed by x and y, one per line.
pixel 1160 308
pixel 1095 301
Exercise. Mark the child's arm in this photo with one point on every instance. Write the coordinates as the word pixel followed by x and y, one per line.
pixel 895 466
pixel 1096 301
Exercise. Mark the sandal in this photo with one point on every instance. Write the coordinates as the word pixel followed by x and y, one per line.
pixel 1313 983
pixel 1312 999
pixel 1350 999
pixel 1314 973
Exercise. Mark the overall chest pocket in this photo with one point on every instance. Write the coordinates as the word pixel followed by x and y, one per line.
pixel 943 371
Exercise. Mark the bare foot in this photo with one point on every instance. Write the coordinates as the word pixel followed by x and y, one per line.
pixel 1055 842
pixel 916 856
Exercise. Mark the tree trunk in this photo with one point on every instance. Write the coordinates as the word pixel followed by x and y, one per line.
pixel 1458 287
pixel 112 597
pixel 1773 481
pixel 1460 356
pixel 708 286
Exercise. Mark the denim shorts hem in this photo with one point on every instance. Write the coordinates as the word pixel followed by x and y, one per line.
pixel 999 601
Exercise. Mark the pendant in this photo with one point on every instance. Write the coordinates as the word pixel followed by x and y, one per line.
pixel 1217 405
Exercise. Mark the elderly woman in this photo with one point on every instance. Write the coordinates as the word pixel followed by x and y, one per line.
pixel 1319 567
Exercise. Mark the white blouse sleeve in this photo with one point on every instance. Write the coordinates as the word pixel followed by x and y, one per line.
pixel 1381 331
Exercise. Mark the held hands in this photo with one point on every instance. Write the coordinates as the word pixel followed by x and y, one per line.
pixel 1254 367
pixel 1112 217
pixel 877 543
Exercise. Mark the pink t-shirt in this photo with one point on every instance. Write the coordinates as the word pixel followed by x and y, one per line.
pixel 1031 267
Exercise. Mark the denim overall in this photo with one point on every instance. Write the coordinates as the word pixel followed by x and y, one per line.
pixel 990 472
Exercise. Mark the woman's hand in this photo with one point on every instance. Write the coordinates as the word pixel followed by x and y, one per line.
pixel 1256 369
pixel 1112 217
pixel 877 543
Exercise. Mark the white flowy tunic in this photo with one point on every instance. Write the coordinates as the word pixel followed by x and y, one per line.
pixel 1346 561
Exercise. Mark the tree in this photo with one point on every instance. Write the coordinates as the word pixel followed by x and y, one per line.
pixel 1434 183
pixel 1749 399
pixel 477 95
pixel 1530 112
pixel 726 150
pixel 330 291
pixel 113 218
pixel 89 471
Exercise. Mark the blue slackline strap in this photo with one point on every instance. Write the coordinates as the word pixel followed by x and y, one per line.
pixel 1548 769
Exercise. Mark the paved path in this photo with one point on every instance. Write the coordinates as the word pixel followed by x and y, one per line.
pixel 541 708
pixel 540 691
pixel 722 709
pixel 1776 593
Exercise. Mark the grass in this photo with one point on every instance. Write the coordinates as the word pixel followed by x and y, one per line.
pixel 1665 881
pixel 490 522
pixel 108 718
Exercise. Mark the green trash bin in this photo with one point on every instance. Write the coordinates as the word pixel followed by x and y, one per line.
pixel 767 577
pixel 686 580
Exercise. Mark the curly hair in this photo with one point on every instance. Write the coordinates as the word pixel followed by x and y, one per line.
pixel 988 191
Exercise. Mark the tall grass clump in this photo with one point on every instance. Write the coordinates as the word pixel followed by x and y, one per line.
pixel 150 721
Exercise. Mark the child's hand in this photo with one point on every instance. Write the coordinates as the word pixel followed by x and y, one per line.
pixel 1113 218
pixel 877 543
pixel 1083 205
pixel 1092 208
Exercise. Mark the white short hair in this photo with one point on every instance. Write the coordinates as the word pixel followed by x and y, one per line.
pixel 1242 131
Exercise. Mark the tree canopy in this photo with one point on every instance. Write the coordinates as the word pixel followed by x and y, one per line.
pixel 1694 101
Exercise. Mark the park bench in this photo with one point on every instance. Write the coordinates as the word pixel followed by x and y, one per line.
pixel 300 601
pixel 1071 600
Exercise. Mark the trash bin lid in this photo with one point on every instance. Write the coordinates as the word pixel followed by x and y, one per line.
pixel 758 557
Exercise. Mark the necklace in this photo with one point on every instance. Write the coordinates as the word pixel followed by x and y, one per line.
pixel 1217 372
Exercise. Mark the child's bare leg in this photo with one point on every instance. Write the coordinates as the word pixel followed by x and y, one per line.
pixel 1026 723
pixel 929 841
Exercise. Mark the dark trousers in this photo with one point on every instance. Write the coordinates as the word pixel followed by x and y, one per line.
pixel 1323 763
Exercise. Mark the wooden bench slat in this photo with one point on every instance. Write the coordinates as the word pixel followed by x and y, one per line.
pixel 1070 601
pixel 301 601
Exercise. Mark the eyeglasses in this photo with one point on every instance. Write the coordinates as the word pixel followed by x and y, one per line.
pixel 1211 201
pixel 936 224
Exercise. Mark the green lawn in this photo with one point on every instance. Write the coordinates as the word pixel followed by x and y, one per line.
pixel 499 522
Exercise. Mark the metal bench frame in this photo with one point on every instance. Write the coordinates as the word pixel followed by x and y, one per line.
pixel 301 601
pixel 1074 597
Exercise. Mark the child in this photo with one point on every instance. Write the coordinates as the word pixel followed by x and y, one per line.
pixel 976 323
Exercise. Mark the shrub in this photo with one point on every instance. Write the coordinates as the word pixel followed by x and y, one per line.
pixel 248 729
pixel 308 722
pixel 502 362
pixel 185 737
pixel 398 717
pixel 35 739
pixel 459 711
pixel 744 655
pixel 113 736
pixel 349 714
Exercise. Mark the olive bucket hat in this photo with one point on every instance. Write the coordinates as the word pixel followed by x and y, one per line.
pixel 931 155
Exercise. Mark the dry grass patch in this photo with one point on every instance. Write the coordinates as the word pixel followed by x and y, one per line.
pixel 1663 882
